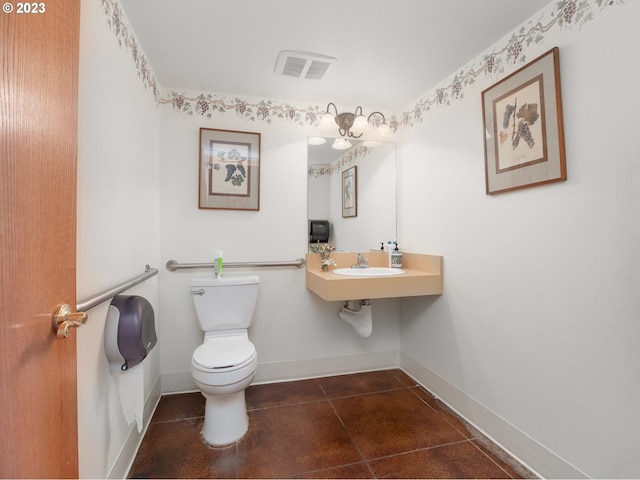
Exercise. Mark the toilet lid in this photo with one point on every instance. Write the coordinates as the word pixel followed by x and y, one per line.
pixel 223 352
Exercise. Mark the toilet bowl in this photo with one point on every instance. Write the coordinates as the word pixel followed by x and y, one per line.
pixel 225 364
pixel 222 380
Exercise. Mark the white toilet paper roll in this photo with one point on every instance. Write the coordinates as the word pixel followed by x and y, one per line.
pixel 131 385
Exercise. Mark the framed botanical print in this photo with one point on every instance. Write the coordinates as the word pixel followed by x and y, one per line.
pixel 350 192
pixel 229 167
pixel 524 135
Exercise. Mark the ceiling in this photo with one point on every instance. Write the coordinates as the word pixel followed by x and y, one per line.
pixel 389 53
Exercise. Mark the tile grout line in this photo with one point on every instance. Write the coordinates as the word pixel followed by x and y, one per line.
pixel 412 390
pixel 492 460
pixel 237 457
pixel 351 439
pixel 337 466
pixel 367 461
pixel 294 404
pixel 465 432
pixel 174 420
pixel 376 392
pixel 423 449
pixel 328 397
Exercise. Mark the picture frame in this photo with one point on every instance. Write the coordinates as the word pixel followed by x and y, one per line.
pixel 350 192
pixel 229 170
pixel 523 126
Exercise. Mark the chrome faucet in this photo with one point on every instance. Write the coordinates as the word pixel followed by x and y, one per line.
pixel 362 262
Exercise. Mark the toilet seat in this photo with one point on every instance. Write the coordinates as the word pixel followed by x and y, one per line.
pixel 224 353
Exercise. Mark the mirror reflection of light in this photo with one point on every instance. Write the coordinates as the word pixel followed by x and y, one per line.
pixel 341 144
pixel 316 140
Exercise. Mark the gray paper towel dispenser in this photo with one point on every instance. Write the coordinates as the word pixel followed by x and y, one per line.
pixel 319 231
pixel 130 331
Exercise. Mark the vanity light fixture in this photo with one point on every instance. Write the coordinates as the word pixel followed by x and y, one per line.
pixel 353 125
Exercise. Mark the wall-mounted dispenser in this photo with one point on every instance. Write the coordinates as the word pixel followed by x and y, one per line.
pixel 319 231
pixel 130 331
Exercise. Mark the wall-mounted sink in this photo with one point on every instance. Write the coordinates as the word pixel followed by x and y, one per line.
pixel 419 275
pixel 369 272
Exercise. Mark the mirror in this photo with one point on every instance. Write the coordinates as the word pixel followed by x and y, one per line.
pixel 366 216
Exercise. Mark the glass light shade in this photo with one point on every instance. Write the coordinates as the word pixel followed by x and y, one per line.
pixel 360 125
pixel 327 122
pixel 383 130
pixel 316 140
pixel 341 144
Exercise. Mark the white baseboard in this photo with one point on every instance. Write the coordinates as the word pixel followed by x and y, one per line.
pixel 325 367
pixel 124 460
pixel 534 456
pixel 177 382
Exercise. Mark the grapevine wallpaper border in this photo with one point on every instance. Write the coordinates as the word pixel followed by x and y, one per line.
pixel 564 15
pixel 347 159
pixel 117 21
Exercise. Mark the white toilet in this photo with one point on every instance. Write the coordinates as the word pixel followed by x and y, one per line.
pixel 225 364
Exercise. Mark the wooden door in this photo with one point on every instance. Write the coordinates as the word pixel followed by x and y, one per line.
pixel 38 143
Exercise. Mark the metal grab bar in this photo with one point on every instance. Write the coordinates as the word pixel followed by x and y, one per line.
pixel 172 265
pixel 98 298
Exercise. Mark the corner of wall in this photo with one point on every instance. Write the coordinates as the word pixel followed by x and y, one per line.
pixel 540 460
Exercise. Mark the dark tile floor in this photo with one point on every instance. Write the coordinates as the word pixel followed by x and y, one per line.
pixel 366 425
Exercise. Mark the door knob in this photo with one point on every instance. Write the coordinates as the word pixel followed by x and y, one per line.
pixel 63 319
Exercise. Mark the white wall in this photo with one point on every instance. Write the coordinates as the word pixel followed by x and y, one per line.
pixel 296 333
pixel 536 338
pixel 317 197
pixel 118 231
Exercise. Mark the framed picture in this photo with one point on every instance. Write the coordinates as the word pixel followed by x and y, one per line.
pixel 524 136
pixel 350 192
pixel 229 170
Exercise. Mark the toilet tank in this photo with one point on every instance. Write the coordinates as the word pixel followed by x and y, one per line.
pixel 225 303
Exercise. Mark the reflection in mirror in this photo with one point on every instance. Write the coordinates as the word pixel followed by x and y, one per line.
pixel 375 201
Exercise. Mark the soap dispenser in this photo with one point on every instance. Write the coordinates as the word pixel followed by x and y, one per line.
pixel 396 258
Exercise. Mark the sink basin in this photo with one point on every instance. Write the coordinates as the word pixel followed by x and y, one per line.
pixel 369 272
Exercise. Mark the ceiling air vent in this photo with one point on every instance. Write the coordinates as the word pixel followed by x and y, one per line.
pixel 310 66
